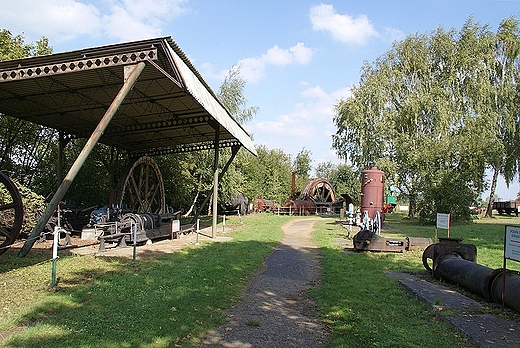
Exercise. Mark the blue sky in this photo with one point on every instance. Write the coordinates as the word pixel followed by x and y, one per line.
pixel 299 57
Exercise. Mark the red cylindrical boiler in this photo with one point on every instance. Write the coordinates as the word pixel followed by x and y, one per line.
pixel 372 191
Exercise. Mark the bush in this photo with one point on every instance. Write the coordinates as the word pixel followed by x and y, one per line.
pixel 33 206
pixel 451 196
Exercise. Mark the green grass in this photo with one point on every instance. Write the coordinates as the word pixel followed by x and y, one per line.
pixel 111 302
pixel 366 308
pixel 174 299
pixel 486 234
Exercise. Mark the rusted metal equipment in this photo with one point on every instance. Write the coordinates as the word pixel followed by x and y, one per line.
pixel 141 188
pixel 115 226
pixel 372 199
pixel 137 212
pixel 366 240
pixel 11 212
pixel 372 191
pixel 512 286
pixel 456 263
pixel 264 205
pixel 316 197
pixel 452 267
pixel 466 251
pixel 299 207
pixel 318 190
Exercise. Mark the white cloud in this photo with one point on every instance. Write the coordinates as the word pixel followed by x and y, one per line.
pixel 308 125
pixel 253 69
pixel 65 20
pixel 344 28
pixel 208 71
pixel 392 34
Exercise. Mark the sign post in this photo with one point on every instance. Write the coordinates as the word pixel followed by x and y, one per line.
pixel 443 222
pixel 511 251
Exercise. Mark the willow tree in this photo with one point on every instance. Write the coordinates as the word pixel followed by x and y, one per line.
pixel 413 114
pixel 231 94
pixel 500 100
pixel 197 167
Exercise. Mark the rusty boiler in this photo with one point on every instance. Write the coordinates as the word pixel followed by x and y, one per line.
pixel 372 191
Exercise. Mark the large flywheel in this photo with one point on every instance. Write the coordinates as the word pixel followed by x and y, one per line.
pixel 318 190
pixel 11 212
pixel 141 188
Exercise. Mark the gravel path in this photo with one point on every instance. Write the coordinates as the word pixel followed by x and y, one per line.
pixel 275 310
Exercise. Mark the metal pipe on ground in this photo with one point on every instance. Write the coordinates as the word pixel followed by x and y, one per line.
pixel 470 275
pixel 512 286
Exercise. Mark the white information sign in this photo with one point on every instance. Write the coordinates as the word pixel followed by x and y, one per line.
pixel 176 225
pixel 512 243
pixel 443 221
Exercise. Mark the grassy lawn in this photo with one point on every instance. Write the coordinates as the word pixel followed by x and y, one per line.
pixel 174 299
pixel 365 308
pixel 109 302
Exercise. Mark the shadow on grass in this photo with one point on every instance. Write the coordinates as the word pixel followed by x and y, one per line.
pixel 164 301
pixel 10 259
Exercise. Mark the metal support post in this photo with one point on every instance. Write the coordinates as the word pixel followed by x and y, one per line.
pixel 234 151
pixel 134 231
pixel 215 184
pixel 198 230
pixel 55 254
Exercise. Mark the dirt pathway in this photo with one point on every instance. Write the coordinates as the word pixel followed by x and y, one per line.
pixel 275 310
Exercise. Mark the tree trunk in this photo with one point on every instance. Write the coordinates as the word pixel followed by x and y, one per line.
pixel 192 205
pixel 489 211
pixel 412 205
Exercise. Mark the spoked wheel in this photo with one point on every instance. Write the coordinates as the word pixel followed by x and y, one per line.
pixel 318 190
pixel 11 212
pixel 142 189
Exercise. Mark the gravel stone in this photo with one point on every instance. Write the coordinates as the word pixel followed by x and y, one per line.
pixel 275 310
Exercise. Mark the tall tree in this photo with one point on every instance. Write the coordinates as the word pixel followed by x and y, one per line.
pixel 25 145
pixel 302 166
pixel 413 114
pixel 14 46
pixel 502 103
pixel 197 167
pixel 268 175
pixel 231 94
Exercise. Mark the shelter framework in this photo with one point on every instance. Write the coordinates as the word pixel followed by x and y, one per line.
pixel 144 97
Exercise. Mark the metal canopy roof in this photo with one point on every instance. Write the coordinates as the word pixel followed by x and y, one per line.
pixel 170 108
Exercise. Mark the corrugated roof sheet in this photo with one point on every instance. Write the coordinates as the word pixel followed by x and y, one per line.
pixel 170 109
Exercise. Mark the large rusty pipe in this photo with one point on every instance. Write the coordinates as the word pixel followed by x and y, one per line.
pixel 470 275
pixel 511 298
pixel 131 75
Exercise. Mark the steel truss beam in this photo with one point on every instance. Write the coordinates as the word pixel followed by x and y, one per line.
pixel 77 65
pixel 210 145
